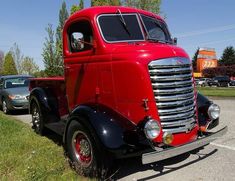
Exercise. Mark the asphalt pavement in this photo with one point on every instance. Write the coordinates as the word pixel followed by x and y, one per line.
pixel 216 162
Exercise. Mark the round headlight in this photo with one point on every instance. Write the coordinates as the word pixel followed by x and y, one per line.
pixel 214 111
pixel 152 129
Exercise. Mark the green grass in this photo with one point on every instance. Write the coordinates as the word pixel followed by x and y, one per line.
pixel 25 155
pixel 217 91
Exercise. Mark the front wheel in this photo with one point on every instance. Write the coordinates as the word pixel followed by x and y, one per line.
pixel 84 153
pixel 4 107
pixel 37 119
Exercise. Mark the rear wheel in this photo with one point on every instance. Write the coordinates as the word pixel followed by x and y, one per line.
pixel 85 155
pixel 4 106
pixel 37 119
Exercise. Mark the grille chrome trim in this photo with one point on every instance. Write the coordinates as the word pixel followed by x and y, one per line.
pixel 178 123
pixel 175 110
pixel 173 89
pixel 175 97
pixel 170 78
pixel 178 116
pixel 167 71
pixel 175 103
pixel 172 84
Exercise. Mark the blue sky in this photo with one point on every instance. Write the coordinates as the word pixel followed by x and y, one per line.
pixel 196 23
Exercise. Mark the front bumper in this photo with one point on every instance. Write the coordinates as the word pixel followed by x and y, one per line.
pixel 18 104
pixel 171 152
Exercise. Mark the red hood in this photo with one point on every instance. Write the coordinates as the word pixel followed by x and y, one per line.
pixel 146 51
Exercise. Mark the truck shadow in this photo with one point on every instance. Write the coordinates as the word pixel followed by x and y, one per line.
pixel 19 112
pixel 56 138
pixel 130 166
pixel 134 165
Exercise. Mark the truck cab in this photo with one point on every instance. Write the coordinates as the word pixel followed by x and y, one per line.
pixel 127 91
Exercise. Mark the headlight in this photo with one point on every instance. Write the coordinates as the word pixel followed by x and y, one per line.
pixel 16 97
pixel 152 129
pixel 214 111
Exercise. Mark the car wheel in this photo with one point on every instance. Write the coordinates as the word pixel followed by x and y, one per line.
pixel 84 152
pixel 37 119
pixel 4 107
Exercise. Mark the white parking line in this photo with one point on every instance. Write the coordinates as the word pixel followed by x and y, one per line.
pixel 223 146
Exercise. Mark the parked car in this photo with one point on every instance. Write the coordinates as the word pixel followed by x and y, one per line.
pixel 14 92
pixel 202 82
pixel 232 83
pixel 220 81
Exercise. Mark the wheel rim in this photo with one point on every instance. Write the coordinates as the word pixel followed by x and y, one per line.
pixel 36 118
pixel 4 106
pixel 82 148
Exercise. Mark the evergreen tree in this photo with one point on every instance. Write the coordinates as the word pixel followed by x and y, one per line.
pixel 76 8
pixel 105 3
pixel 149 5
pixel 63 16
pixel 1 61
pixel 9 66
pixel 228 57
pixel 194 60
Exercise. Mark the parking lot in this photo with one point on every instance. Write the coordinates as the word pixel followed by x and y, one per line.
pixel 214 162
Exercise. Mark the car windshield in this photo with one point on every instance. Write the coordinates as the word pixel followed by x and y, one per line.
pixel 120 27
pixel 16 82
pixel 156 30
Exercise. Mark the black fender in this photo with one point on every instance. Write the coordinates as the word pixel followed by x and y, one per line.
pixel 39 96
pixel 116 134
pixel 203 103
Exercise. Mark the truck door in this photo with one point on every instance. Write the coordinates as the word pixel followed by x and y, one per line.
pixel 78 50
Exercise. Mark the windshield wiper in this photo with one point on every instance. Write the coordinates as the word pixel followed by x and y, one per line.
pixel 122 20
pixel 158 41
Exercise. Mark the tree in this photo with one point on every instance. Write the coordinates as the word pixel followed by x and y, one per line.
pixel 75 8
pixel 149 5
pixel 194 60
pixel 105 3
pixel 29 66
pixel 1 61
pixel 52 51
pixel 40 73
pixel 9 66
pixel 63 16
pixel 219 71
pixel 228 56
pixel 17 56
pixel 51 58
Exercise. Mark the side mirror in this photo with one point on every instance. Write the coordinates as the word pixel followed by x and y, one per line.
pixel 77 41
pixel 175 41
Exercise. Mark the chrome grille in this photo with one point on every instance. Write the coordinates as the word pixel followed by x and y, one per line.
pixel 174 93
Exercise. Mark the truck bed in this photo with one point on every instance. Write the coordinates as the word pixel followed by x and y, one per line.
pixel 55 89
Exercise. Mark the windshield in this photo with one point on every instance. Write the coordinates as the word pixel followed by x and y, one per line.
pixel 120 27
pixel 16 82
pixel 156 30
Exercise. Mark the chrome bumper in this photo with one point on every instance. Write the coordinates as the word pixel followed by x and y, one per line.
pixel 168 153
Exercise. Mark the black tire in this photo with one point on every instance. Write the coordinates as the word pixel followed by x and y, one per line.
pixel 85 153
pixel 5 107
pixel 37 119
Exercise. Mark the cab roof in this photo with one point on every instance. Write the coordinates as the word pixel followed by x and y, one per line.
pixel 97 10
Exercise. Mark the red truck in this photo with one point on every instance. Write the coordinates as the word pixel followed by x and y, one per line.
pixel 127 91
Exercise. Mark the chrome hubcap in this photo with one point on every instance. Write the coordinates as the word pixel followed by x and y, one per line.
pixel 85 147
pixel 36 117
pixel 4 106
pixel 82 148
